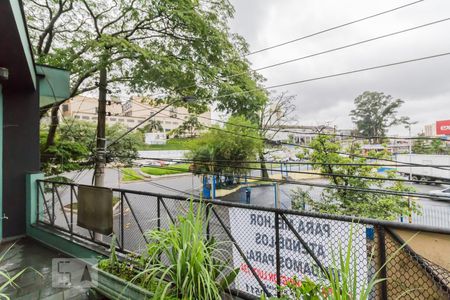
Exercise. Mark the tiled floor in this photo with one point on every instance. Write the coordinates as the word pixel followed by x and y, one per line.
pixel 36 283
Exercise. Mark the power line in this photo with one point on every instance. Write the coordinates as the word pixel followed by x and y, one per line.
pixel 297 82
pixel 324 52
pixel 295 132
pixel 351 45
pixel 311 148
pixel 332 75
pixel 341 187
pixel 334 28
pixel 292 162
pixel 359 70
pixel 205 163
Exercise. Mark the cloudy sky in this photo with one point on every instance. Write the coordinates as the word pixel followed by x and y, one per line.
pixel 424 86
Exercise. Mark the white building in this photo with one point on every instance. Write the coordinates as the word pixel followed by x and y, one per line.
pixel 300 134
pixel 129 113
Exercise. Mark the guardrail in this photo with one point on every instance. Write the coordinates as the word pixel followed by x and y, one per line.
pixel 270 246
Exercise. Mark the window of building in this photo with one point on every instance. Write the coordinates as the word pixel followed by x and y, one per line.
pixel 130 121
pixel 93 118
pixel 113 119
pixel 77 117
pixel 167 130
pixel 65 107
pixel 85 118
pixel 121 120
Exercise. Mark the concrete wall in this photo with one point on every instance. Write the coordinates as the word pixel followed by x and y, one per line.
pixel 20 154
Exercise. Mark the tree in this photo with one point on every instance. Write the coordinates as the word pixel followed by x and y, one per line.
pixel 437 147
pixel 173 48
pixel 225 151
pixel 272 117
pixel 341 197
pixel 152 126
pixel 374 113
pixel 75 146
pixel 191 126
pixel 419 145
pixel 422 146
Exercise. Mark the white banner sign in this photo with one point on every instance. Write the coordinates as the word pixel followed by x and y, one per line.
pixel 254 232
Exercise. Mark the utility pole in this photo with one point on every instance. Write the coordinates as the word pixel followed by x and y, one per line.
pixel 100 159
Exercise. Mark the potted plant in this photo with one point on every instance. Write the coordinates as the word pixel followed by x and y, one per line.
pixel 180 263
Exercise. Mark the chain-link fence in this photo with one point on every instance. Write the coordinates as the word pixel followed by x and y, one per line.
pixel 271 247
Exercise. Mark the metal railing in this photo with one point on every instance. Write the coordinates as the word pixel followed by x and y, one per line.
pixel 270 246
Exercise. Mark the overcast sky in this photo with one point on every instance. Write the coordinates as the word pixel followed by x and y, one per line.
pixel 424 86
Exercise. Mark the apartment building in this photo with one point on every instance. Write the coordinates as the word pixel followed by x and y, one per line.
pixel 129 112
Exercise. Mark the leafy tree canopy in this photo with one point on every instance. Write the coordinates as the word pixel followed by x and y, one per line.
pixel 75 144
pixel 171 48
pixel 335 200
pixel 189 127
pixel 234 144
pixel 374 113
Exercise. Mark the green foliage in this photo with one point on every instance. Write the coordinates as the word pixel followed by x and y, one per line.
pixel 374 113
pixel 176 48
pixel 345 201
pixel 129 174
pixel 166 170
pixel 300 198
pixel 235 144
pixel 8 280
pixel 184 262
pixel 152 126
pixel 422 146
pixel 190 127
pixel 75 145
pixel 341 279
pixel 305 289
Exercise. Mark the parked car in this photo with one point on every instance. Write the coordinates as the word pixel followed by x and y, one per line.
pixel 442 193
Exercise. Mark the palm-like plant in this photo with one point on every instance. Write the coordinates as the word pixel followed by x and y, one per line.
pixel 9 280
pixel 152 126
pixel 184 262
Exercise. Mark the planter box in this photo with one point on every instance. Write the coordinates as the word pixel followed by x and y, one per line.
pixel 114 287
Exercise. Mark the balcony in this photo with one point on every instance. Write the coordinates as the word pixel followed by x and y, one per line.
pixel 270 247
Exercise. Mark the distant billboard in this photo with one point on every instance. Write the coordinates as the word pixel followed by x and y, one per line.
pixel 443 127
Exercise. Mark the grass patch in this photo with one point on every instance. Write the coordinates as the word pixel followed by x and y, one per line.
pixel 129 174
pixel 166 170
pixel 172 144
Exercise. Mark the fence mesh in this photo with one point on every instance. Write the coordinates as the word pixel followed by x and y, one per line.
pixel 270 247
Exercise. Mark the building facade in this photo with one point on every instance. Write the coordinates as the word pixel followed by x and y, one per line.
pixel 300 134
pixel 128 113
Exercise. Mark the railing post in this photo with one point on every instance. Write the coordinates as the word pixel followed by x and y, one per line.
pixel 158 212
pixel 122 235
pixel 71 210
pixel 382 260
pixel 277 252
pixel 53 204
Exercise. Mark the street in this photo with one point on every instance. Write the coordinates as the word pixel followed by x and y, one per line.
pixel 434 212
